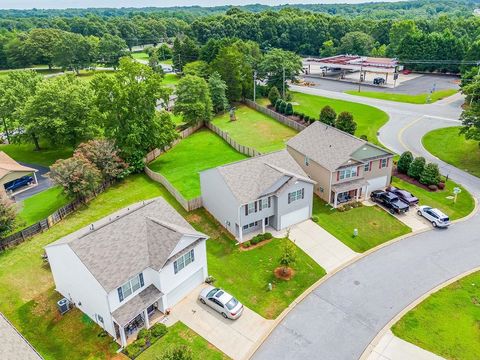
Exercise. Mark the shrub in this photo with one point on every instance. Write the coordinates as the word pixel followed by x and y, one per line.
pixel 295 113
pixel 273 95
pixel 158 330
pixel 315 218
pixel 141 342
pixel 328 115
pixel 433 187
pixel 441 185
pixel 255 240
pixel 364 137
pixel 267 236
pixel 143 334
pixel 301 116
pixel 430 175
pixel 247 244
pixel 289 109
pixel 404 162
pixel 415 169
pixel 346 123
pixel 179 352
pixel 277 104
pixel 133 350
pixel 283 107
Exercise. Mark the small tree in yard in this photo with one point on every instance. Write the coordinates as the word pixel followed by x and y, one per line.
pixel 346 123
pixel 218 89
pixel 273 95
pixel 8 216
pixel 283 107
pixel 177 353
pixel 404 162
pixel 76 175
pixel 278 104
pixel 289 109
pixel 416 168
pixel 430 175
pixel 289 255
pixel 193 100
pixel 328 115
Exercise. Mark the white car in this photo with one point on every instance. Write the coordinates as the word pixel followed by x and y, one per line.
pixel 435 216
pixel 221 301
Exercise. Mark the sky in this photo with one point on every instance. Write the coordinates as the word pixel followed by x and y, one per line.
pixel 61 4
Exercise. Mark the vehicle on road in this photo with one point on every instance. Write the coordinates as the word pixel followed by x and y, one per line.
pixel 435 216
pixel 389 201
pixel 221 301
pixel 18 183
pixel 404 195
pixel 379 81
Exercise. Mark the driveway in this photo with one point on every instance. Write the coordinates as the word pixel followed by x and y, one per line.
pixel 329 252
pixel 44 182
pixel 236 338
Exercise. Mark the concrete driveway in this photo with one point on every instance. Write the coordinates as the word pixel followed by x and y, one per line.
pixel 44 182
pixel 236 338
pixel 329 252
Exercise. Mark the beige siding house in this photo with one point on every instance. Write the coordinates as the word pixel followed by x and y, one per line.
pixel 344 167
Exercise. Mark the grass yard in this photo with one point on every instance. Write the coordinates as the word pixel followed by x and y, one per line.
pixel 255 129
pixel 200 151
pixel 369 119
pixel 447 144
pixel 180 334
pixel 246 274
pixel 464 205
pixel 375 226
pixel 446 323
pixel 27 154
pixel 405 98
pixel 170 79
pixel 142 55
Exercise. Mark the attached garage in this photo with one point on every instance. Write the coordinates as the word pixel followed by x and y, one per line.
pixel 294 217
pixel 185 287
pixel 378 183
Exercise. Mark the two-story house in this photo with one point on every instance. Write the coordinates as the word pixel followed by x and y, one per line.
pixel 127 267
pixel 269 190
pixel 344 167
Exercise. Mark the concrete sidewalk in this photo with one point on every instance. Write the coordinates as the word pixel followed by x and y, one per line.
pixel 321 246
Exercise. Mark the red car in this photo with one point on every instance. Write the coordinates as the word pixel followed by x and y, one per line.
pixel 406 72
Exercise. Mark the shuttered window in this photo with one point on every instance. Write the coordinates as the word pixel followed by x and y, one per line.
pixel 130 287
pixel 183 261
pixel 296 195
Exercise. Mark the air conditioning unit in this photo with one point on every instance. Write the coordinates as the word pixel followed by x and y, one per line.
pixel 63 305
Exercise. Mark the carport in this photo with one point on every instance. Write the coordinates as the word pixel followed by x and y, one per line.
pixel 11 170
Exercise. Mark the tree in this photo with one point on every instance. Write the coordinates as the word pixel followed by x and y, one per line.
pixel 278 65
pixel 184 50
pixel 77 176
pixel 471 122
pixel 346 123
pixel 273 95
pixel 8 216
pixel 288 256
pixel 328 115
pixel 42 45
pixel 61 111
pixel 471 87
pixel 104 155
pixel 193 100
pixel 404 162
pixel 416 168
pixel 179 352
pixel 218 95
pixel 398 32
pixel 430 175
pixel 110 49
pixel 278 104
pixel 327 49
pixel 154 63
pixel 356 43
pixel 164 52
pixel 198 68
pixel 72 52
pixel 126 103
pixel 289 109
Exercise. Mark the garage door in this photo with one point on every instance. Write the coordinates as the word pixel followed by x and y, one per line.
pixel 184 288
pixel 378 183
pixel 294 217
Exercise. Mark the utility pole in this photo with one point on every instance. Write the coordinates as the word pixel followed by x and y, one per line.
pixel 283 66
pixel 255 86
pixel 360 79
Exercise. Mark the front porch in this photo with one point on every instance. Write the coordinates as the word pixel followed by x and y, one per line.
pixel 248 231
pixel 349 191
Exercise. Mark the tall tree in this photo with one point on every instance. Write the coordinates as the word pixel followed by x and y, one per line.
pixel 278 66
pixel 231 66
pixel 346 123
pixel 328 115
pixel 471 122
pixel 193 100
pixel 184 50
pixel 218 89
pixel 72 52
pixel 110 49
pixel 356 43
pixel 42 45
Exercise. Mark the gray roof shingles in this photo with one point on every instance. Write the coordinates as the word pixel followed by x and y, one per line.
pixel 13 346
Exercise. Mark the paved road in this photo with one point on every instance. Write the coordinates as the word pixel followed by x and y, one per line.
pixel 343 315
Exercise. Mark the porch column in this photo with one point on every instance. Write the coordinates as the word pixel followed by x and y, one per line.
pixel 123 337
pixel 356 194
pixel 335 198
pixel 240 233
pixel 147 321
pixel 263 226
pixel 35 177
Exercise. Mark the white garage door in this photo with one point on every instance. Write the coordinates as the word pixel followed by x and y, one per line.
pixel 294 217
pixel 376 184
pixel 185 287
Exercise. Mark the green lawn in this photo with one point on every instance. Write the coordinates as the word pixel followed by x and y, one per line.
pixel 464 205
pixel 375 226
pixel 180 334
pixel 200 151
pixel 170 79
pixel 406 98
pixel 166 62
pixel 447 144
pixel 40 206
pixel 26 153
pixel 254 129
pixel 369 119
pixel 142 55
pixel 447 322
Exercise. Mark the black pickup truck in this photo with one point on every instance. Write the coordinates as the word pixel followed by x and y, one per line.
pixel 390 201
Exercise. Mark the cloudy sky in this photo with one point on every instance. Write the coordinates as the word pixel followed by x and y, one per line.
pixel 39 4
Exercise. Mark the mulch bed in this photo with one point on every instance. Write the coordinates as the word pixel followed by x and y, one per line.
pixel 412 181
pixel 251 247
pixel 291 117
pixel 284 275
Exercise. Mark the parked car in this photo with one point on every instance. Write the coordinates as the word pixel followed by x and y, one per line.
pixel 390 201
pixel 435 216
pixel 406 72
pixel 404 195
pixel 221 301
pixel 18 183
pixel 378 81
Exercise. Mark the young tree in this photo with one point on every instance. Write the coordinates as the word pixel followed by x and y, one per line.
pixel 328 115
pixel 193 100
pixel 327 49
pixel 8 216
pixel 430 175
pixel 197 68
pixel 278 104
pixel 404 162
pixel 110 49
pixel 346 123
pixel 164 52
pixel 289 109
pixel 416 168
pixel 76 175
pixel 177 353
pixel 273 95
pixel 218 90
pixel 288 257
pixel 278 65
pixel 104 155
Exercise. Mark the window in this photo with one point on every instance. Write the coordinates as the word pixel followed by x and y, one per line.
pixel 130 287
pixel 347 173
pixel 383 163
pixel 99 318
pixel 183 261
pixel 296 195
pixel 245 227
pixel 251 208
pixel 264 203
pixel 367 167
pixel 307 161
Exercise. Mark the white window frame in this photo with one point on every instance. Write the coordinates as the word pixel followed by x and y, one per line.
pixel 131 286
pixel 183 261
pixel 251 208
pixel 295 195
pixel 348 173
pixel 383 163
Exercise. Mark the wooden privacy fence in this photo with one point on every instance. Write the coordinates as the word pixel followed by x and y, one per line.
pixel 240 148
pixel 279 117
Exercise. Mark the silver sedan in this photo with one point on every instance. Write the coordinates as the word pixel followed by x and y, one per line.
pixel 221 301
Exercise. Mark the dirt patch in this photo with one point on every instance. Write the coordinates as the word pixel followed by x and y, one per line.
pixel 284 274
pixel 251 247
